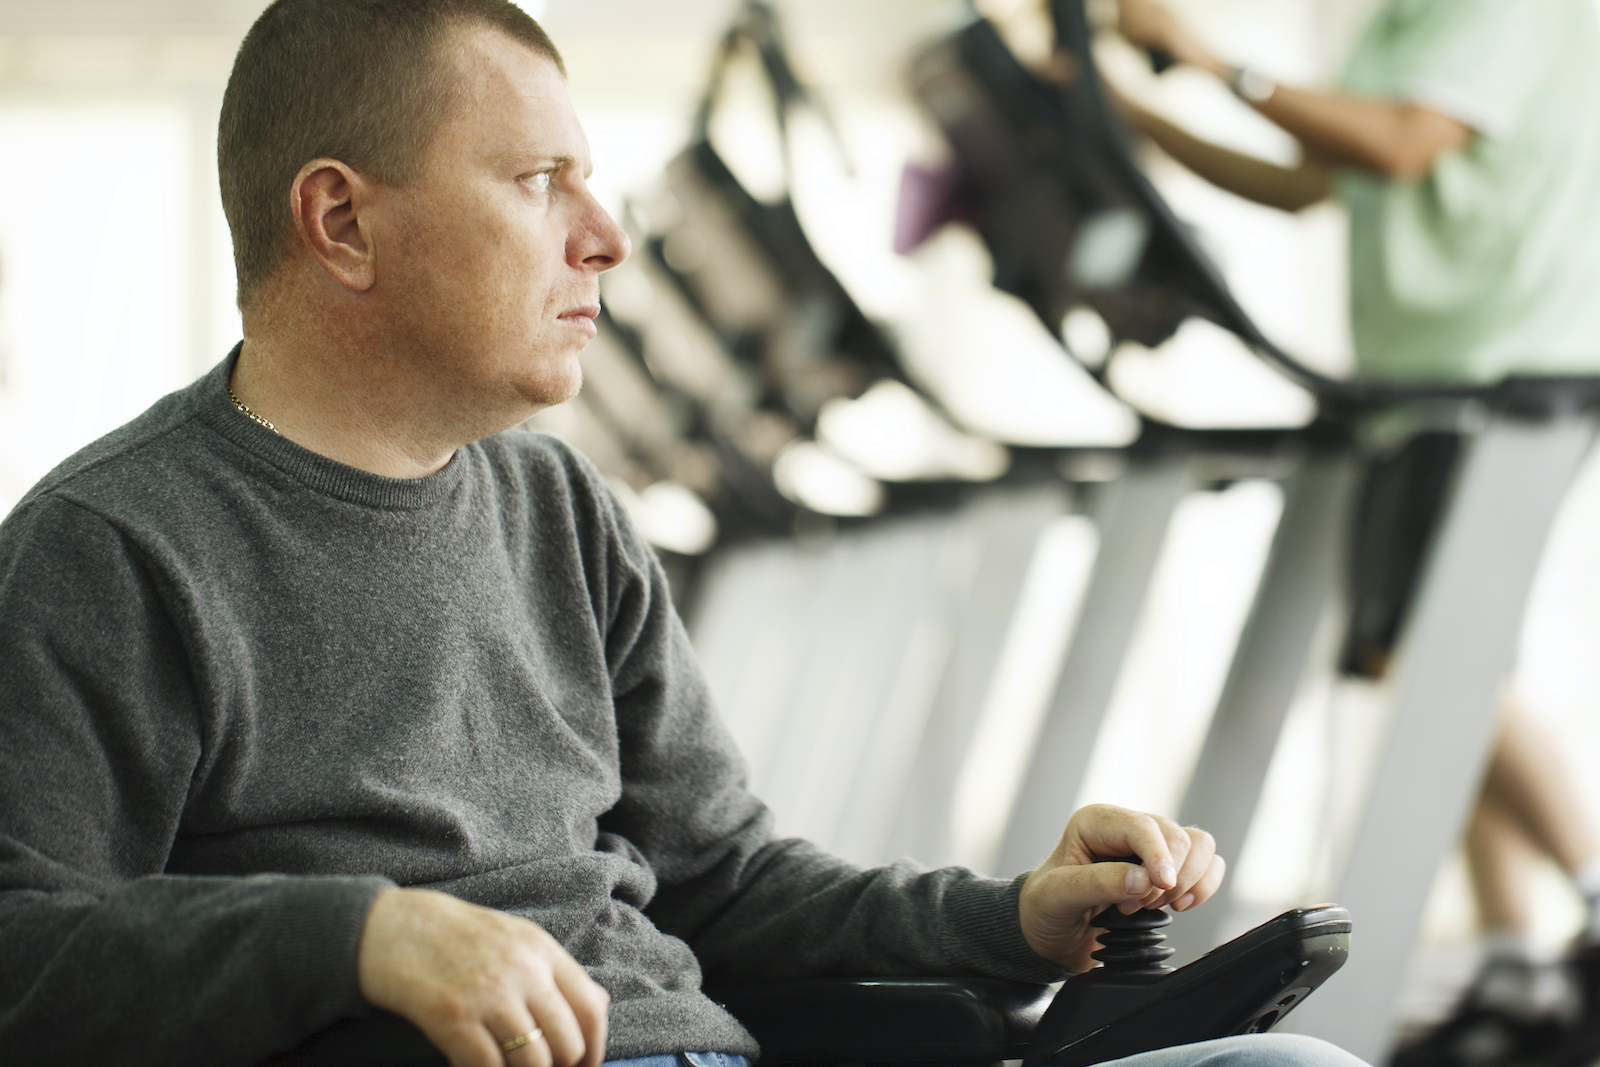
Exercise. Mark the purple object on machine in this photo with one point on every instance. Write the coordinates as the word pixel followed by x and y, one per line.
pixel 929 198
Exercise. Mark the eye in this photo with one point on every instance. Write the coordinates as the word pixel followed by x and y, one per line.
pixel 540 181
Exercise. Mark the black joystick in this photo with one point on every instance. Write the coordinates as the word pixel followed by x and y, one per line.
pixel 1133 944
pixel 1134 1002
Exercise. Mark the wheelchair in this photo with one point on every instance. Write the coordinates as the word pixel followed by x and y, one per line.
pixel 1132 1003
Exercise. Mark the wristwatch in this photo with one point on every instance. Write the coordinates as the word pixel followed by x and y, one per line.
pixel 1251 86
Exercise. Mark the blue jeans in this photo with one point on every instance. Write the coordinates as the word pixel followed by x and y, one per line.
pixel 683 1059
pixel 1246 1050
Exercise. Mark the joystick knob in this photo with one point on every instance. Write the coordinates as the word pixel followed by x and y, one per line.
pixel 1133 944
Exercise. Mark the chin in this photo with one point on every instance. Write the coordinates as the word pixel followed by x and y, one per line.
pixel 554 384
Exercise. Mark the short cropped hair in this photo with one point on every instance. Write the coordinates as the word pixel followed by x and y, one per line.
pixel 365 82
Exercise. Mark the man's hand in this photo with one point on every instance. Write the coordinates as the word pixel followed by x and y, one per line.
pixel 472 978
pixel 1181 868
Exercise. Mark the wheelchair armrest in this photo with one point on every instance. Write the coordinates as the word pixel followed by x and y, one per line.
pixel 378 1040
pixel 980 1020
pixel 929 1019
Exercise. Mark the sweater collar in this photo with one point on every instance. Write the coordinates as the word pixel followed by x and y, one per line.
pixel 316 471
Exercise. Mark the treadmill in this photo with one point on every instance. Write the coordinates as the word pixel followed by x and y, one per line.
pixel 1046 175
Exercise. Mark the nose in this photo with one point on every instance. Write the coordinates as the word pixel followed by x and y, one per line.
pixel 601 244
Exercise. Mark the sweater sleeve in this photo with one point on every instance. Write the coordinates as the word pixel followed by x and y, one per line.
pixel 106 958
pixel 754 908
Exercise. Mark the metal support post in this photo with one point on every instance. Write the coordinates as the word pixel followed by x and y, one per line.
pixel 1006 527
pixel 1133 527
pixel 831 721
pixel 1302 574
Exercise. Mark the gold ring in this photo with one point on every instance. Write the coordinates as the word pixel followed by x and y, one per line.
pixel 520 1040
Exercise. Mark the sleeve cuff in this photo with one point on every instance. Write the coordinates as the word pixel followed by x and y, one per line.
pixel 318 925
pixel 1460 106
pixel 983 914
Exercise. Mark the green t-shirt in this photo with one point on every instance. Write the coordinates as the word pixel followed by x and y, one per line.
pixel 1491 264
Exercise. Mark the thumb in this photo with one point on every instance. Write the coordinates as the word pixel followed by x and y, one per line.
pixel 1058 905
pixel 1063 891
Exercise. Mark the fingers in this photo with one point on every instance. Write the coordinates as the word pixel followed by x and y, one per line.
pixel 1180 862
pixel 590 1005
pixel 548 1016
pixel 527 1040
pixel 1093 886
pixel 1197 864
pixel 474 979
pixel 1200 869
pixel 1059 900
pixel 576 1006
pixel 1172 882
pixel 1209 884
pixel 1104 831
pixel 476 1047
pixel 543 1034
pixel 483 1042
pixel 565 1004
pixel 562 1042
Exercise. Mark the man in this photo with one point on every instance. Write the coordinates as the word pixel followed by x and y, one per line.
pixel 318 692
pixel 1463 142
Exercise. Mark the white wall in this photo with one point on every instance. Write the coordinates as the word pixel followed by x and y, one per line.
pixel 115 272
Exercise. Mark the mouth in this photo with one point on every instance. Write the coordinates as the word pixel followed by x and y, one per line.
pixel 582 317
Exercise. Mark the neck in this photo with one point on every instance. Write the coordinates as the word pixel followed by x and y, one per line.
pixel 338 384
pixel 364 384
pixel 340 409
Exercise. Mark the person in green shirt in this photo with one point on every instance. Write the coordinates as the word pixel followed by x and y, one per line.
pixel 1486 261
pixel 1464 140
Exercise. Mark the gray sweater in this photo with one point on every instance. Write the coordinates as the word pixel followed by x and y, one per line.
pixel 243 688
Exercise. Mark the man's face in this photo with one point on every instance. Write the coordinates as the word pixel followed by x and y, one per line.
pixel 496 248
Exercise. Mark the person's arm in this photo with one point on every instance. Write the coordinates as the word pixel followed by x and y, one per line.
pixel 106 958
pixel 1286 188
pixel 1398 139
pixel 756 908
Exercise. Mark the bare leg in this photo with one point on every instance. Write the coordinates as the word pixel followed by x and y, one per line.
pixel 1529 780
pixel 1515 984
pixel 1499 859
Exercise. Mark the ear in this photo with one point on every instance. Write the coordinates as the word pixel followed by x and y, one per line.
pixel 328 199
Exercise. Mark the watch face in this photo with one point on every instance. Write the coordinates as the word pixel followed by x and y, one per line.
pixel 1252 86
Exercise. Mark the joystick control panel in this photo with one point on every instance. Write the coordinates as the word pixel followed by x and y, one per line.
pixel 1134 1002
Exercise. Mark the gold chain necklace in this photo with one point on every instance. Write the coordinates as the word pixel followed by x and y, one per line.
pixel 250 414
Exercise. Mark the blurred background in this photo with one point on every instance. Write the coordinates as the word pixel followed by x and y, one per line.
pixel 116 286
